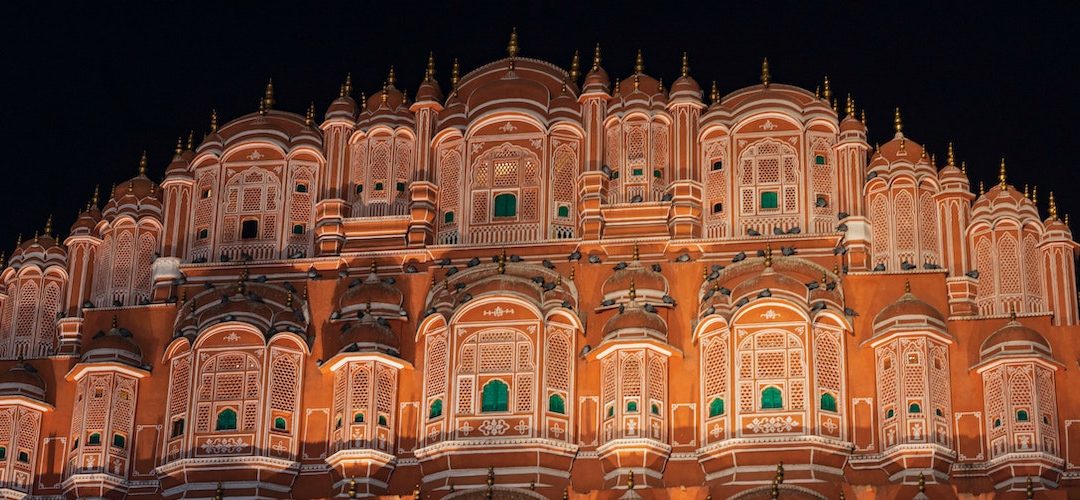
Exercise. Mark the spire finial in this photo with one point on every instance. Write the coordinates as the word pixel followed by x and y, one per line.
pixel 97 195
pixel 390 78
pixel 1053 206
pixel 898 123
pixel 190 141
pixel 849 107
pixel 348 84
pixel 455 73
pixel 429 73
pixel 827 92
pixel 48 226
pixel 1029 490
pixel 639 62
pixel 596 57
pixel 907 286
pixel 309 119
pixel 768 255
pixel 963 167
pixel 636 254
pixel 179 146
pixel 630 481
pixel 1012 312
pixel 575 67
pixel 714 93
pixel 1027 191
pixel 633 290
pixel 142 163
pixel 213 121
pixel 765 72
pixel 1001 174
pixel 685 70
pixel 982 188
pixel 862 116
pixel 922 483
pixel 951 156
pixel 512 48
pixel 268 96
pixel 1035 195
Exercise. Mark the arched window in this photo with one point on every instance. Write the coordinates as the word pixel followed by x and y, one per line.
pixel 382 420
pixel 655 409
pixel 505 205
pixel 716 407
pixel 3 453
pixel 828 402
pixel 436 409
pixel 24 457
pixel 94 439
pixel 997 423
pixel 717 207
pixel 556 404
pixel 889 413
pixel 249 229
pixel 914 408
pixel 301 188
pixel 819 160
pixel 564 211
pixel 358 418
pixel 771 398
pixel 631 407
pixel 610 411
pixel 298 229
pixel 279 424
pixel 448 217
pixel 718 165
pixel 119 441
pixel 1021 416
pixel 226 420
pixel 495 397
pixel 769 200
pixel 177 427
pixel 337 422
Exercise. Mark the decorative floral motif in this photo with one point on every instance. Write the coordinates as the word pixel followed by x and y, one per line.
pixel 224 445
pixel 499 312
pixel 770 314
pixel 494 427
pixel 773 425
pixel 255 155
pixel 521 427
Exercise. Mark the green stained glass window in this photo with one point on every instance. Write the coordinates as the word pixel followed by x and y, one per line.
pixel 828 402
pixel 226 420
pixel 769 199
pixel 495 396
pixel 716 407
pixel 772 398
pixel 556 404
pixel 436 409
pixel 505 205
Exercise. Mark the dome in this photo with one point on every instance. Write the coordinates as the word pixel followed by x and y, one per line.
pixel 635 322
pixel 87 221
pixel 369 333
pixel 906 306
pixel 648 285
pixel 1014 339
pixel 565 107
pixel 773 281
pixel 429 90
pixel 43 250
pixel 371 293
pixel 22 380
pixel 596 80
pixel 117 344
pixel 851 124
pixel 686 85
pixel 1004 200
pixel 285 129
pixel 343 107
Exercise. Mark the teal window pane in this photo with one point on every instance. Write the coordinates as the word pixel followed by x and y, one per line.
pixel 772 398
pixel 716 407
pixel 828 402
pixel 819 160
pixel 226 420
pixel 631 407
pixel 382 420
pixel 94 439
pixel 556 404
pixel 358 418
pixel 279 424
pixel 1022 416
pixel 119 441
pixel 448 217
pixel 436 409
pixel 769 199
pixel 495 396
pixel 505 205
pixel 914 408
pixel 564 211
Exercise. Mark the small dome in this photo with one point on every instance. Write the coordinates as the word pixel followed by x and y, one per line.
pixel 87 221
pixel 429 91
pixel 773 281
pixel 342 107
pixel 648 285
pixel 1014 339
pixel 596 80
pixel 850 124
pixel 370 333
pixel 117 344
pixel 22 380
pixel 908 305
pixel 372 292
pixel 635 322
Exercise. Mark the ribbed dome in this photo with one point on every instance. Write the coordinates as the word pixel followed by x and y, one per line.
pixel 908 305
pixel 596 80
pixel 850 124
pixel 635 322
pixel 429 91
pixel 86 222
pixel 372 292
pixel 648 284
pixel 22 380
pixel 771 280
pixel 117 344
pixel 342 107
pixel 1014 339
pixel 370 332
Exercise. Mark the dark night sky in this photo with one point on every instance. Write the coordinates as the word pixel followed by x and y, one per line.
pixel 91 86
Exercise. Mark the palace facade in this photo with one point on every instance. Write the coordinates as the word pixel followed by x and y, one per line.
pixel 546 283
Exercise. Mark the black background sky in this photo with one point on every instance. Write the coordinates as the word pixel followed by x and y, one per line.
pixel 89 85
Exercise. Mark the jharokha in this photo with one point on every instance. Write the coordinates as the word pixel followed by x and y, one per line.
pixel 545 283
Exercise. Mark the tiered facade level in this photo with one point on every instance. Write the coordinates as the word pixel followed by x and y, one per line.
pixel 546 283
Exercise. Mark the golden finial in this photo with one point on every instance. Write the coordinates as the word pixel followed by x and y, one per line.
pixel 827 93
pixel 849 107
pixel 347 87
pixel 862 116
pixel 765 72
pixel 142 163
pixel 352 488
pixel 1029 490
pixel 1035 195
pixel 213 121
pixel 685 65
pixel 502 262
pixel 817 91
pixel 179 146
pixel 304 295
pixel 903 144
pixel 660 84
pixel 768 255
pixel 491 476
pixel 309 119
pixel 922 483
pixel 574 269
pixel 455 73
pixel 596 57
pixel 705 273
pixel 963 167
pixel 1001 175
pixel 898 124
pixel 639 62
pixel 950 159
pixel 268 96
pixel 1012 312
pixel 933 160
pixel 1053 206
pixel 96 197
pixel 390 78
pixel 288 299
pixel 512 47
pixel 575 67
pixel 416 493
pixel 836 268
pixel 637 81
pixel 374 267
pixel 633 290
pixel 48 226
pixel 190 140
pixel 566 494
pixel 714 93
pixel 1027 192
pixel 630 481
pixel 922 154
pixel 982 188
pixel 834 106
pixel 780 472
pixel 363 100
pixel 907 286
pixel 1066 219
pixel 219 492
pixel 636 255
pixel 775 492
pixel 429 73
pixel 18 240
pixel 841 497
